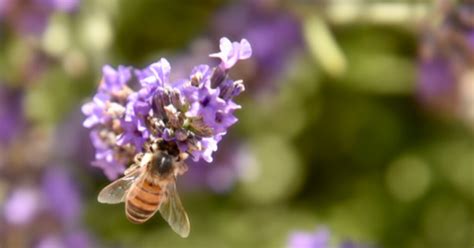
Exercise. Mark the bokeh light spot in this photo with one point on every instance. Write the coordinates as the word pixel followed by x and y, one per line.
pixel 408 178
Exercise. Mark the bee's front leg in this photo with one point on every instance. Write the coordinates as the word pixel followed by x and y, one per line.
pixel 181 168
pixel 183 156
pixel 137 160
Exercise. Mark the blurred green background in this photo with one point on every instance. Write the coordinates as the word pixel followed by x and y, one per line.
pixel 332 131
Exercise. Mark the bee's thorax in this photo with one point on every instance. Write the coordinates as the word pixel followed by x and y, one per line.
pixel 162 164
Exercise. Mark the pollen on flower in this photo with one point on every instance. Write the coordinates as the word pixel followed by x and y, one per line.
pixel 193 113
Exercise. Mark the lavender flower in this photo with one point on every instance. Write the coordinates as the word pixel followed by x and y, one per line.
pixel 60 5
pixel 318 239
pixel 351 244
pixel 77 239
pixel 260 23
pixel 58 189
pixel 22 205
pixel 50 242
pixel 222 176
pixel 192 114
pixel 31 16
pixel 11 114
pixel 231 52
pixel 446 55
pixel 57 201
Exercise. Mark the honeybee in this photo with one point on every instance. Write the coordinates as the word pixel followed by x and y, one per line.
pixel 149 185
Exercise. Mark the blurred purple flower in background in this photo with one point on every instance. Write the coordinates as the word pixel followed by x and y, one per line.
pixel 22 205
pixel 321 238
pixel 446 54
pixel 351 244
pixel 31 17
pixel 42 205
pixel 55 201
pixel 77 147
pixel 60 5
pixel 274 32
pixel 435 79
pixel 11 113
pixel 76 239
pixel 191 113
pixel 318 239
pixel 221 177
pixel 61 194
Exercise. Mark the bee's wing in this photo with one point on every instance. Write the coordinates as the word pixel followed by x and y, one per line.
pixel 116 191
pixel 173 212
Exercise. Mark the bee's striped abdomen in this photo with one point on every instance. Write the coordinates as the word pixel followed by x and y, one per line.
pixel 143 201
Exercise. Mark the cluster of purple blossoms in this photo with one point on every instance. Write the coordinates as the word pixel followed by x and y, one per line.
pixel 137 107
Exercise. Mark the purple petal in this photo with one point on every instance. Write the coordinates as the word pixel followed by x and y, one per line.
pixel 231 52
pixel 245 51
pixel 161 71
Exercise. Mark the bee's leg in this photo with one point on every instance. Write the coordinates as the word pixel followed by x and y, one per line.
pixel 183 156
pixel 152 146
pixel 138 158
pixel 137 162
pixel 147 147
pixel 181 168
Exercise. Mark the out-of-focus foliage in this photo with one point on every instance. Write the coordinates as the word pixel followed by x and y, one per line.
pixel 335 129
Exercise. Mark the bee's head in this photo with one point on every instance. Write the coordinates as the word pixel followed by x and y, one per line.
pixel 162 164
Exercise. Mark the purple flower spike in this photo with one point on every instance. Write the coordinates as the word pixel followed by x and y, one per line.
pixel 191 114
pixel 231 52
